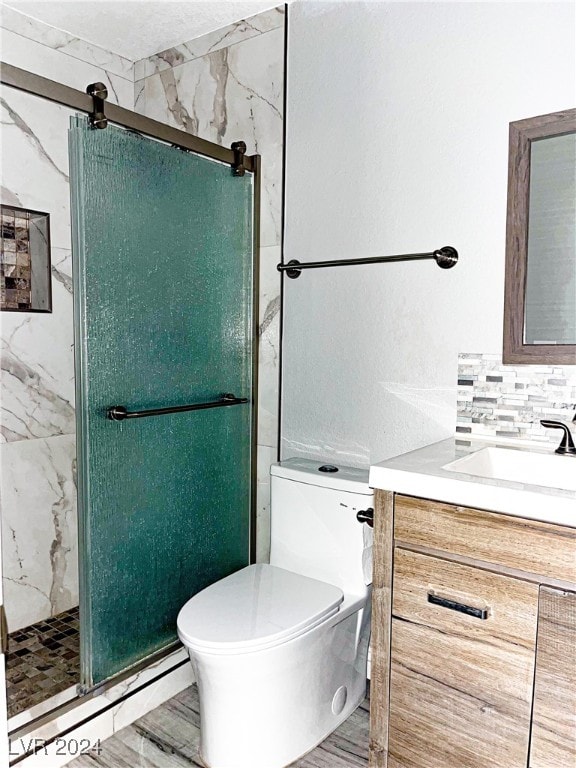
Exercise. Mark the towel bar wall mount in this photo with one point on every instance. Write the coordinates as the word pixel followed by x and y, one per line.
pixel 446 257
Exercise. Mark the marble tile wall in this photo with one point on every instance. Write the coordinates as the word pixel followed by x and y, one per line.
pixel 214 41
pixel 227 86
pixel 52 53
pixel 37 421
pixel 507 402
pixel 224 86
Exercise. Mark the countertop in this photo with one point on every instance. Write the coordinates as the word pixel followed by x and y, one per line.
pixel 421 473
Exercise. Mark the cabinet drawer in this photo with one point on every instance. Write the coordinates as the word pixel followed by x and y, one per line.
pixel 461 682
pixel 512 542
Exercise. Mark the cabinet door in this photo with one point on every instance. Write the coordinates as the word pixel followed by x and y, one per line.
pixel 554 719
pixel 463 650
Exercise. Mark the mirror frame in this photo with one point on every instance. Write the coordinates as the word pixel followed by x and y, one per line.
pixel 522 133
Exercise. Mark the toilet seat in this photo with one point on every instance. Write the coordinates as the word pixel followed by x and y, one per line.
pixel 257 607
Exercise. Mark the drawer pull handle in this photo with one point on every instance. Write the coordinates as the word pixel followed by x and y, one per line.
pixel 469 610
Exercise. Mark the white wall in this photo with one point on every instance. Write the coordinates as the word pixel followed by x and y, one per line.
pixel 397 141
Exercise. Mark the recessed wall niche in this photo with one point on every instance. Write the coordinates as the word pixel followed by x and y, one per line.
pixel 25 284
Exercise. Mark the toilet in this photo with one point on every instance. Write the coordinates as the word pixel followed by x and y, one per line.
pixel 279 651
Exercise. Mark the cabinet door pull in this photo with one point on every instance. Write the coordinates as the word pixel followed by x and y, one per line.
pixel 469 610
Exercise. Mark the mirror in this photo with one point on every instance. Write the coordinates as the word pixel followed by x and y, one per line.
pixel 540 288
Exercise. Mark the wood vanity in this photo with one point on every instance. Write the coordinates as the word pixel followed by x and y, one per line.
pixel 473 638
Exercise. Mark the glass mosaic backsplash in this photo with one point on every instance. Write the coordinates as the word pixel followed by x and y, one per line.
pixel 507 401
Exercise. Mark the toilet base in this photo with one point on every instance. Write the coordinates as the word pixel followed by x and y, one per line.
pixel 205 763
pixel 268 708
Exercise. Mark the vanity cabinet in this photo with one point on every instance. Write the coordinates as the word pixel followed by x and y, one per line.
pixel 462 665
pixel 554 718
pixel 474 639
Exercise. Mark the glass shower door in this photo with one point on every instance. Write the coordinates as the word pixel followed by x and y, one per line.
pixel 163 301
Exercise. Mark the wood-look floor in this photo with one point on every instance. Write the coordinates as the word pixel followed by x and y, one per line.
pixel 168 737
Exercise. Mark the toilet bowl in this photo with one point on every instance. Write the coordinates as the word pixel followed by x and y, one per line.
pixel 279 652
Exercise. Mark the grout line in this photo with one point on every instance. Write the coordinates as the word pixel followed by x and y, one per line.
pixel 71 55
pixel 201 56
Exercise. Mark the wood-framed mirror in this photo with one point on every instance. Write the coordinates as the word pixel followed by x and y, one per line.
pixel 540 281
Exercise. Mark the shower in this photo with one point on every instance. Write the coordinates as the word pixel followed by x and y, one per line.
pixel 164 282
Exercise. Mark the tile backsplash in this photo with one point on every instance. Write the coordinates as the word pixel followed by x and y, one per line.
pixel 507 401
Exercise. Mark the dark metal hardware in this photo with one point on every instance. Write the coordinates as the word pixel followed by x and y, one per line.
pixel 14 77
pixel 469 610
pixel 366 516
pixel 567 443
pixel 120 412
pixel 239 149
pixel 4 636
pixel 446 257
pixel 328 468
pixel 99 93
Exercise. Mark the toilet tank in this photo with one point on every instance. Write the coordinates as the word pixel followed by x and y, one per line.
pixel 314 530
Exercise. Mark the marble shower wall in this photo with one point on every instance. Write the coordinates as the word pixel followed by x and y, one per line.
pixel 229 86
pixel 37 423
pixel 224 86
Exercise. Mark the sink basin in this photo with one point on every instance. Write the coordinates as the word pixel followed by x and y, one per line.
pixel 550 470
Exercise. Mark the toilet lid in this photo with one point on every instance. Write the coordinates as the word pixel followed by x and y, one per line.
pixel 258 606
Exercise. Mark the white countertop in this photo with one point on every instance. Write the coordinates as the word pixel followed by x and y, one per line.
pixel 420 473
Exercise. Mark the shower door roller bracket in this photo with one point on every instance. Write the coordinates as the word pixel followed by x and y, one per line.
pixel 99 93
pixel 239 149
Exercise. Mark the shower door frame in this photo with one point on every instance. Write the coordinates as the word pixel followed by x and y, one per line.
pixel 4 740
pixel 36 85
pixel 22 80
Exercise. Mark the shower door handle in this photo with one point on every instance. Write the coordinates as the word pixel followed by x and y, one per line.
pixel 120 412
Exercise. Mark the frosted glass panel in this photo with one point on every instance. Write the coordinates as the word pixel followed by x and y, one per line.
pixel 163 291
pixel 550 304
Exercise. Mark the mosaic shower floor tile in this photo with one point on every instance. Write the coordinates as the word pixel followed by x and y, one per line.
pixel 43 659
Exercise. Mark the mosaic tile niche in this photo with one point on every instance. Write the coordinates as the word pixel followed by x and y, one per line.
pixel 507 402
pixel 24 260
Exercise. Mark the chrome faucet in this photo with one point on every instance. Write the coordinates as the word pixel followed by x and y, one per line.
pixel 567 443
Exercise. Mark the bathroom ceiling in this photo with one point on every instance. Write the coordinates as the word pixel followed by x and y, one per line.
pixel 139 28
